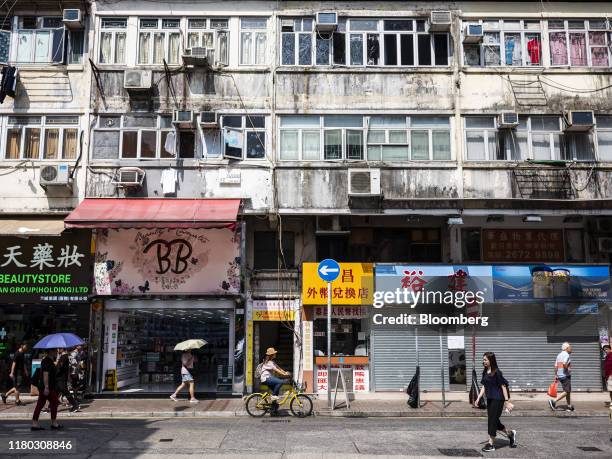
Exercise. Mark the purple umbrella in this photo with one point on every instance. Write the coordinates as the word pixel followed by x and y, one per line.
pixel 59 341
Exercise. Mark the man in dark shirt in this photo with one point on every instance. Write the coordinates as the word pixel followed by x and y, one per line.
pixel 47 390
pixel 18 374
pixel 63 370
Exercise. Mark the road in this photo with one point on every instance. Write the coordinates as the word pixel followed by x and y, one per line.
pixel 316 437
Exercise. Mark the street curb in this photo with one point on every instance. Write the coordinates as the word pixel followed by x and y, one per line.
pixel 136 414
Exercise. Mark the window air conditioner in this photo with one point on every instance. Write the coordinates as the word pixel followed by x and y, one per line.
pixel 137 80
pixel 327 22
pixel 199 56
pixel 209 120
pixel 128 177
pixel 182 118
pixel 55 175
pixel 605 244
pixel 73 19
pixel 579 120
pixel 327 224
pixel 364 182
pixel 440 21
pixel 508 120
pixel 472 33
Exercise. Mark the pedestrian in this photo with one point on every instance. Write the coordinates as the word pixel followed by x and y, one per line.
pixel 18 375
pixel 563 371
pixel 188 360
pixel 61 382
pixel 495 388
pixel 47 391
pixel 608 370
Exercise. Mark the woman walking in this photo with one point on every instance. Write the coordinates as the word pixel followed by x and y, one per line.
pixel 47 391
pixel 187 362
pixel 18 375
pixel 495 388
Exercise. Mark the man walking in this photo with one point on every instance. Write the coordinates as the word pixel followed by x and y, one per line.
pixel 608 370
pixel 563 372
pixel 18 374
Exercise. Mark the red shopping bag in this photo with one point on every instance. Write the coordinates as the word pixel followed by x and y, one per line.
pixel 552 389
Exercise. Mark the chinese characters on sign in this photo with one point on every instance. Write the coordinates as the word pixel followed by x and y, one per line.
pixel 354 286
pixel 40 269
pixel 274 310
pixel 523 245
pixel 341 312
pixel 361 378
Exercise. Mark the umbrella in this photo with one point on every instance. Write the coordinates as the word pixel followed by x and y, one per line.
pixel 190 344
pixel 59 340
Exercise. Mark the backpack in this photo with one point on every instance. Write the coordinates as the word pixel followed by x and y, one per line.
pixel 259 370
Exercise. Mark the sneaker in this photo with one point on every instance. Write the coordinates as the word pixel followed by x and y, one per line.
pixel 194 400
pixel 570 408
pixel 552 405
pixel 74 409
pixel 512 438
pixel 45 410
pixel 488 447
pixel 173 398
pixel 274 398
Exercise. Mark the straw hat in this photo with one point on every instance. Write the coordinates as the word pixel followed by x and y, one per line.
pixel 271 351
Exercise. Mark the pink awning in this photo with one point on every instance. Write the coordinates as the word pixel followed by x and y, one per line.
pixel 153 213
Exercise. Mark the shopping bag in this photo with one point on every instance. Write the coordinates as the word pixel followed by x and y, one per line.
pixel 475 390
pixel 413 390
pixel 552 389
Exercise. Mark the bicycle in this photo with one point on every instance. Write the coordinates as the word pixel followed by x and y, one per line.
pixel 259 403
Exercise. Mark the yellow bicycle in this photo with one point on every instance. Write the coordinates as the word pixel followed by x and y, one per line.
pixel 260 403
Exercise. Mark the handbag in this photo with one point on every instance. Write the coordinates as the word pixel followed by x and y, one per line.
pixel 552 389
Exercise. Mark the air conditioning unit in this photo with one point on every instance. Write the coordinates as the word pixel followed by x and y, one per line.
pixel 128 177
pixel 137 80
pixel 508 120
pixel 73 19
pixel 604 225
pixel 182 118
pixel 472 33
pixel 209 120
pixel 364 182
pixel 327 224
pixel 327 22
pixel 440 21
pixel 604 244
pixel 199 56
pixel 579 120
pixel 55 175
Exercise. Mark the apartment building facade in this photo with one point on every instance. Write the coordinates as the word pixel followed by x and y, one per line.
pixel 428 137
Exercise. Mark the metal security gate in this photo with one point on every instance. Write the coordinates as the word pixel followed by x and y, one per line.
pixel 393 357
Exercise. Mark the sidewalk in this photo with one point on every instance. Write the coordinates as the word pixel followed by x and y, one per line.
pixel 367 405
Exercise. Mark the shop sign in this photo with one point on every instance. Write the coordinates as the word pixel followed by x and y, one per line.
pixel 275 310
pixel 459 285
pixel 307 345
pixel 523 245
pixel 571 308
pixel 341 312
pixel 167 261
pixel 353 286
pixel 526 283
pixel 361 378
pixel 45 269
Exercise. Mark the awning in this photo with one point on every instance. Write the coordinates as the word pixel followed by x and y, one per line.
pixel 30 227
pixel 154 213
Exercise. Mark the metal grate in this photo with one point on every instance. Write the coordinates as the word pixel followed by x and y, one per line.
pixel 528 93
pixel 539 183
pixel 458 452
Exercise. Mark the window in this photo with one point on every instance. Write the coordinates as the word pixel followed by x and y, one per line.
pixel 132 137
pixel 40 40
pixel 253 39
pixel 340 136
pixel 112 40
pixel 76 45
pixel 267 253
pixel 604 137
pixel 159 40
pixel 513 43
pixel 42 137
pixel 359 42
pixel 470 245
pixel 579 43
pixel 212 34
pixel 5 40
pixel 400 138
pixel 244 136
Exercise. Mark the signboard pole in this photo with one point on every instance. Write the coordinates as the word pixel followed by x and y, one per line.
pixel 329 314
pixel 442 370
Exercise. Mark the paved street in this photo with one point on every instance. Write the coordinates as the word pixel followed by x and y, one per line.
pixel 318 437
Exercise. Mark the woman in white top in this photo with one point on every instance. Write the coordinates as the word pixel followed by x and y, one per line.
pixel 269 372
pixel 187 362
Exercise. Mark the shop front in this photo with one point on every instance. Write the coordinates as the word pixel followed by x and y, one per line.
pixel 163 280
pixel 45 285
pixel 350 332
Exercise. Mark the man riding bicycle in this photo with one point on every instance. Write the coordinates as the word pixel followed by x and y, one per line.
pixel 269 372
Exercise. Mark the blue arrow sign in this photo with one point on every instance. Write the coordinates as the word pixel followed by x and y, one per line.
pixel 329 270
